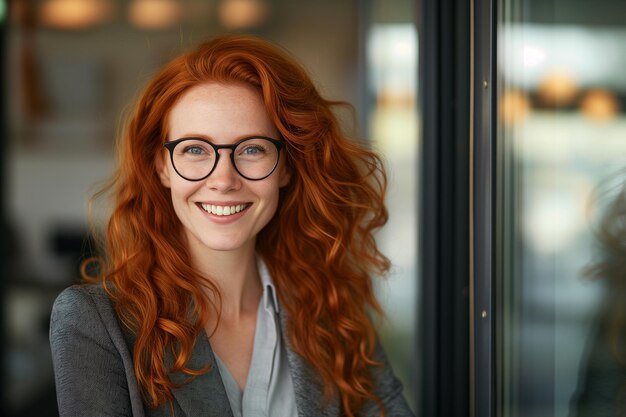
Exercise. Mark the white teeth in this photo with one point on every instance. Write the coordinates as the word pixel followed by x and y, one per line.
pixel 223 210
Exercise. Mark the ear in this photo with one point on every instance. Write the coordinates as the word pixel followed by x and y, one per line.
pixel 285 176
pixel 162 169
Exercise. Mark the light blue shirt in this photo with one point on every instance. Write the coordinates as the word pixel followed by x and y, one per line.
pixel 269 389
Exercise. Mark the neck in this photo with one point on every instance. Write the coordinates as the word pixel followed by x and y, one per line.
pixel 236 275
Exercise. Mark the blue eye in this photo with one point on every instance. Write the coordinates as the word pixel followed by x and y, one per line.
pixel 254 150
pixel 194 150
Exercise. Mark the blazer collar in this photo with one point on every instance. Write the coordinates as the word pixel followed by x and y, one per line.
pixel 307 384
pixel 205 395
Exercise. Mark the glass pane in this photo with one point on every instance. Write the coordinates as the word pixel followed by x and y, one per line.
pixel 561 154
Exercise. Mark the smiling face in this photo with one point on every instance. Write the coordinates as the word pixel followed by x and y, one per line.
pixel 223 212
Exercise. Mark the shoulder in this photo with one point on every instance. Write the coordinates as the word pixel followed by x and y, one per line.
pixel 91 359
pixel 80 302
pixel 82 296
pixel 85 310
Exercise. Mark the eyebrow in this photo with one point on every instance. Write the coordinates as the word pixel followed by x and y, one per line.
pixel 235 139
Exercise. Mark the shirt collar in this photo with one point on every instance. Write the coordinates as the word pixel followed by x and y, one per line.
pixel 269 290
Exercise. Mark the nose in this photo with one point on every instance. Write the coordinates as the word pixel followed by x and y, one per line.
pixel 224 177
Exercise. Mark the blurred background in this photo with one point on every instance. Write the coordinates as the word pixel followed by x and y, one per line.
pixel 561 139
pixel 72 70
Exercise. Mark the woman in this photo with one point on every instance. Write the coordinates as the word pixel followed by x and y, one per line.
pixel 236 279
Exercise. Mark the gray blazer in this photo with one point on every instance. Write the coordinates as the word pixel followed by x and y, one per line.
pixel 93 367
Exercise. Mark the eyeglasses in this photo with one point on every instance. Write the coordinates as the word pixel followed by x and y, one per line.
pixel 254 158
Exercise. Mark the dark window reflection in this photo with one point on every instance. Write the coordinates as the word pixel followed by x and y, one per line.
pixel 561 124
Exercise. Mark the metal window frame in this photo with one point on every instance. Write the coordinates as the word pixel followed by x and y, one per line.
pixel 457 218
pixel 443 321
pixel 483 183
pixel 4 246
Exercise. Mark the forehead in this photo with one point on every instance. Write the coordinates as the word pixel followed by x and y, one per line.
pixel 221 112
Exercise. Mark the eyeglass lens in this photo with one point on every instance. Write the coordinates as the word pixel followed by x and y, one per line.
pixel 254 158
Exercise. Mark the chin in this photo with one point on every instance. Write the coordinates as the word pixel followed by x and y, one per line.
pixel 224 248
pixel 224 245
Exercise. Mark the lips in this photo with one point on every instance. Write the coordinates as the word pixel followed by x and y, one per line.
pixel 225 210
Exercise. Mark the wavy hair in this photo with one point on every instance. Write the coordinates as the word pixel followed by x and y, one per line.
pixel 319 246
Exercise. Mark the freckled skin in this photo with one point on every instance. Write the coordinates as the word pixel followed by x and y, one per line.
pixel 223 114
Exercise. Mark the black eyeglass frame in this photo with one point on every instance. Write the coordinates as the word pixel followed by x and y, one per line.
pixel 172 144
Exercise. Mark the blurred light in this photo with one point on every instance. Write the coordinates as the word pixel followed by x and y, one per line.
pixel 599 104
pixel 243 14
pixel 74 14
pixel 533 56
pixel 555 213
pixel 3 10
pixel 514 107
pixel 558 88
pixel 404 49
pixel 154 14
pixel 527 51
pixel 392 57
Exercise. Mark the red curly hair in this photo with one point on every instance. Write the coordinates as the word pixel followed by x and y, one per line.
pixel 322 231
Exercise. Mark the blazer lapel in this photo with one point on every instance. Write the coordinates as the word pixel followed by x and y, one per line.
pixel 307 385
pixel 205 395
